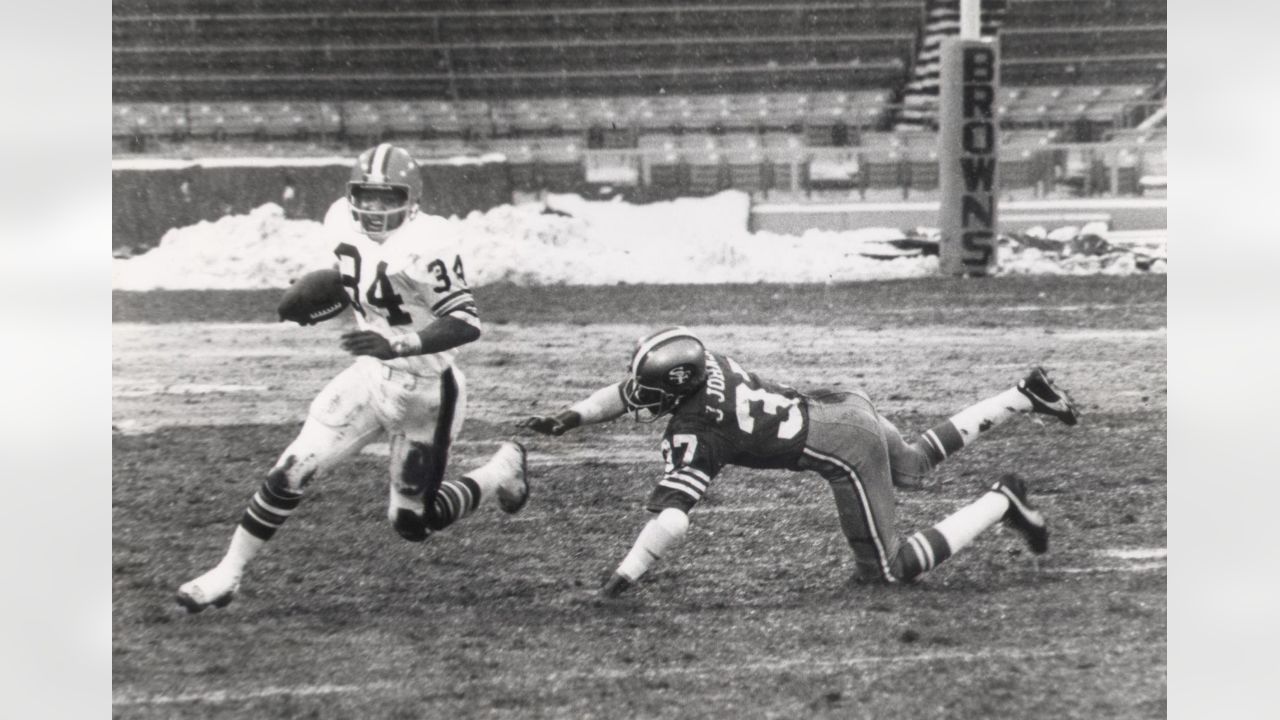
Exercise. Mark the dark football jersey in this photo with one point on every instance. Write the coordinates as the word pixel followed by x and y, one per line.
pixel 735 418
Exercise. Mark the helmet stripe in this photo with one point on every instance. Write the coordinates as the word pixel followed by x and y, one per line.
pixel 378 164
pixel 648 344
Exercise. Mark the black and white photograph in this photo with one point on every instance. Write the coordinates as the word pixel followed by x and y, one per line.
pixel 640 359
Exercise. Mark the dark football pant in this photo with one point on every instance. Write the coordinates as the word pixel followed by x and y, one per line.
pixel 909 463
pixel 847 445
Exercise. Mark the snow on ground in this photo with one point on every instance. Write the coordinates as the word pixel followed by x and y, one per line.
pixel 567 239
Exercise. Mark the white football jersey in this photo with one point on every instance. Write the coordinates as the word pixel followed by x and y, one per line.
pixel 400 286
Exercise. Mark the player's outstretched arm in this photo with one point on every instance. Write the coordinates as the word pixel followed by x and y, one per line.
pixel 444 333
pixel 602 405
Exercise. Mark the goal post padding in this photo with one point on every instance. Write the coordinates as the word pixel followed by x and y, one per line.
pixel 967 162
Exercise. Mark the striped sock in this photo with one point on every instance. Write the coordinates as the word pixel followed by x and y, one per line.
pixel 964 427
pixel 455 500
pixel 927 549
pixel 923 552
pixel 266 513
pixel 268 510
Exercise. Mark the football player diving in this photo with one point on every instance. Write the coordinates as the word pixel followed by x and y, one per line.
pixel 402 272
pixel 722 414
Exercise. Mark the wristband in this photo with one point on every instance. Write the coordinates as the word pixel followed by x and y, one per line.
pixel 407 344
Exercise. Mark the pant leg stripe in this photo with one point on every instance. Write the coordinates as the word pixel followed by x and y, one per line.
pixel 881 554
pixel 444 423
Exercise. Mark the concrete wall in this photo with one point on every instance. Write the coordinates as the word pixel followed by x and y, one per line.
pixel 149 198
pixel 1123 214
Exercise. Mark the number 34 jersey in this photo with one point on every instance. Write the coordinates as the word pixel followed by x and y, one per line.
pixel 736 418
pixel 405 283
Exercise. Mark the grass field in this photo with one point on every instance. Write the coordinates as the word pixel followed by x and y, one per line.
pixel 754 617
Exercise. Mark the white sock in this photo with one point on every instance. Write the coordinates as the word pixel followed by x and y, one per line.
pixel 962 526
pixel 986 414
pixel 658 536
pixel 502 466
pixel 242 549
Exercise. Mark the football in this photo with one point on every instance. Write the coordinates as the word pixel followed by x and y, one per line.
pixel 314 298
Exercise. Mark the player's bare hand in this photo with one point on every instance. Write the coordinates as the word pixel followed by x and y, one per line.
pixel 367 342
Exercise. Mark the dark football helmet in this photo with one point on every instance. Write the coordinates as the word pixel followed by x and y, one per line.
pixel 666 367
pixel 384 190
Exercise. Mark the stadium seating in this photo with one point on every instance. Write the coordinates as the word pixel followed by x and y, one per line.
pixel 1092 42
pixel 487 50
pixel 692 95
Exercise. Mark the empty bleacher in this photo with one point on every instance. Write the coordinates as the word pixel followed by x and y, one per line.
pixel 291 50
pixel 697 95
pixel 1084 42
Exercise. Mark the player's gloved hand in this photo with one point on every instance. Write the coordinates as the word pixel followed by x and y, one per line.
pixel 557 424
pixel 368 342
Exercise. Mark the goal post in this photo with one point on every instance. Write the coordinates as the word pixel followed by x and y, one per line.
pixel 967 148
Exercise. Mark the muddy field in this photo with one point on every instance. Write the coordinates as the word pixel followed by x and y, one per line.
pixel 754 617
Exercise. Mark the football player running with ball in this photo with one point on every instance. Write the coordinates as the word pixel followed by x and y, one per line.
pixel 722 414
pixel 402 272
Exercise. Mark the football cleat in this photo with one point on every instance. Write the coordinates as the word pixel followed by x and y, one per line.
pixel 513 493
pixel 216 588
pixel 1046 398
pixel 1021 516
pixel 614 586
pixel 414 485
pixel 410 525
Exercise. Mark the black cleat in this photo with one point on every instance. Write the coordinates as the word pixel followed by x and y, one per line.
pixel 1021 516
pixel 410 525
pixel 1046 398
pixel 614 586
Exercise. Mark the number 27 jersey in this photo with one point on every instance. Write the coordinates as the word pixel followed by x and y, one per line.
pixel 735 418
pixel 403 284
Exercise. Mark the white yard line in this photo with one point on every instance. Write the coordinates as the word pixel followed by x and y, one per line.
pixel 807 665
pixel 1139 553
pixel 1133 568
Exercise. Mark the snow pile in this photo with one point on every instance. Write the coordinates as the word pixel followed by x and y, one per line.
pixel 1089 250
pixel 570 240
pixel 258 250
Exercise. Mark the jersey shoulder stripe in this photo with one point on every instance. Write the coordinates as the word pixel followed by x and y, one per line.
pixel 450 297
pixel 453 301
